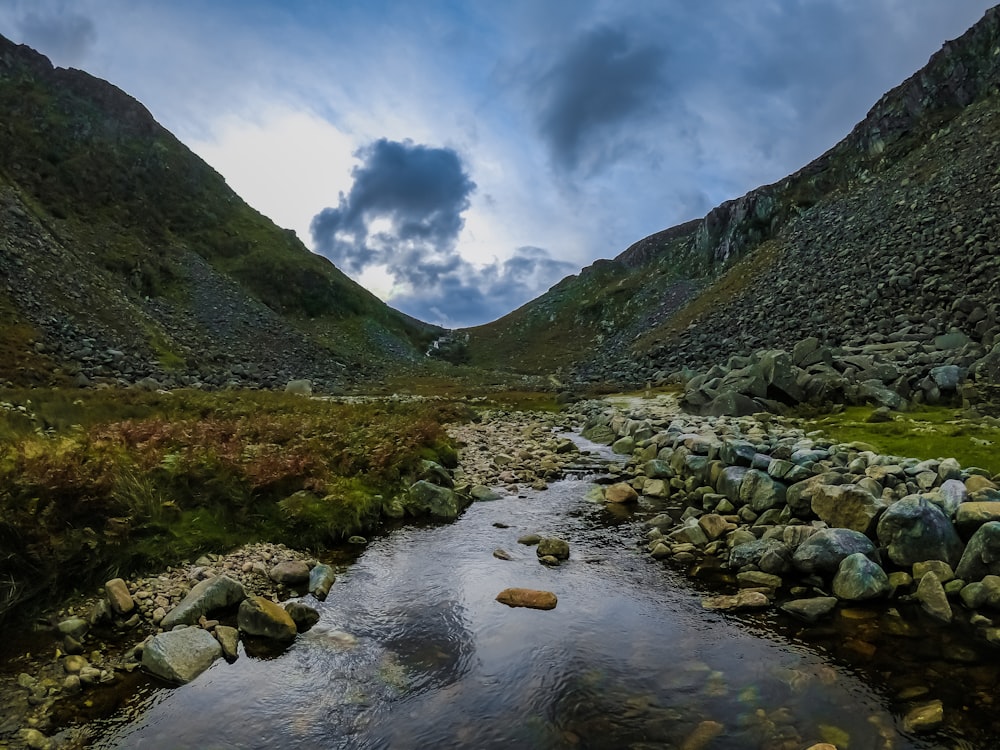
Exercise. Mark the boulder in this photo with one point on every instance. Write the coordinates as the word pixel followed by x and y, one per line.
pixel 119 597
pixel 730 481
pixel 932 597
pixel 262 617
pixel 622 492
pixel 982 554
pixel 914 529
pixel 731 404
pixel 424 497
pixel 846 506
pixel 823 552
pixel 301 387
pixel 623 446
pixel 750 553
pixel 554 547
pixel 950 496
pixel 531 598
pixel 737 452
pixel 858 579
pixel 229 639
pixel 482 493
pixel 321 579
pixel 657 469
pixel 811 609
pixel 180 655
pixel 302 615
pixel 207 596
pixel 971 515
pixel 290 572
pixel 761 491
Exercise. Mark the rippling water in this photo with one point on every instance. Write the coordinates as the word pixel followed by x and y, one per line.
pixel 412 651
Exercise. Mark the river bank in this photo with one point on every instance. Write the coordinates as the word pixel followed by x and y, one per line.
pixel 510 456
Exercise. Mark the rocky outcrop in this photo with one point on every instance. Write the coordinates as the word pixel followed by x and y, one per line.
pixel 804 522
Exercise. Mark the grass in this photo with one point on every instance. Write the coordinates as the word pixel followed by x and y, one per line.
pixel 931 432
pixel 107 482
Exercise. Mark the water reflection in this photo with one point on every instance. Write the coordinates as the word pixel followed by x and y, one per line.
pixel 413 651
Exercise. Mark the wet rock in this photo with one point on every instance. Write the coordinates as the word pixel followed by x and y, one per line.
pixel 74 663
pixel 702 735
pixel 982 554
pixel 940 568
pixel 714 525
pixel 761 491
pixel 440 502
pixel 758 579
pixel 229 640
pixel 623 446
pixel 858 579
pixel 208 595
pixel 914 529
pixel 529 539
pixel 290 573
pixel 811 609
pixel 76 627
pixel 622 492
pixel 482 493
pixel 745 599
pixel 933 599
pixel 823 551
pixel 531 598
pixel 321 580
pixel 261 617
pixel 180 655
pixel 553 547
pixel 302 615
pixel 846 506
pixel 501 554
pixel 34 739
pixel 925 717
pixel 119 597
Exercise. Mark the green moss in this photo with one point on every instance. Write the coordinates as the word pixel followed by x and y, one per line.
pixel 931 432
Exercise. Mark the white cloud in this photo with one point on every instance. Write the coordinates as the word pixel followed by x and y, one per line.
pixel 287 164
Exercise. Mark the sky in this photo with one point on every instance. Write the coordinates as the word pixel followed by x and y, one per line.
pixel 459 157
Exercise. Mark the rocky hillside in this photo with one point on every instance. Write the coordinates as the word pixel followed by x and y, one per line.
pixel 124 257
pixel 888 238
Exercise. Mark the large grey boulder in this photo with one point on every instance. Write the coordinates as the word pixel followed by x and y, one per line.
pixel 207 596
pixel 180 655
pixel 781 376
pixel 440 502
pixel 951 494
pixel 982 554
pixel 731 404
pixel 751 553
pixel 859 578
pixel 823 552
pixel 914 529
pixel 846 506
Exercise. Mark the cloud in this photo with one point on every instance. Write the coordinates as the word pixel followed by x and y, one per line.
pixel 588 99
pixel 403 215
pixel 468 295
pixel 63 35
pixel 406 202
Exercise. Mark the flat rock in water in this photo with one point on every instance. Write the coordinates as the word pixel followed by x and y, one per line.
pixel 812 609
pixel 302 615
pixel 501 554
pixel 554 547
pixel 529 539
pixel 622 492
pixel 531 598
pixel 262 617
pixel 180 655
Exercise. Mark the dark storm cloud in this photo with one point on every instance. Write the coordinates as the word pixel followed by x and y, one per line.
pixel 404 212
pixel 420 191
pixel 469 295
pixel 601 82
pixel 64 36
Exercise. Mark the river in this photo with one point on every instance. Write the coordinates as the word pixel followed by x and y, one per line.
pixel 413 651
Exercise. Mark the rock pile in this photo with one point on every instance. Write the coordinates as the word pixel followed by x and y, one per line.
pixel 891 375
pixel 805 523
pixel 164 624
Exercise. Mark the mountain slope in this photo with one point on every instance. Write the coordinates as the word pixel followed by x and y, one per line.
pixel 890 230
pixel 126 256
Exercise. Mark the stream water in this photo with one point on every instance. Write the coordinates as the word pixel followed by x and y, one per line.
pixel 413 651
